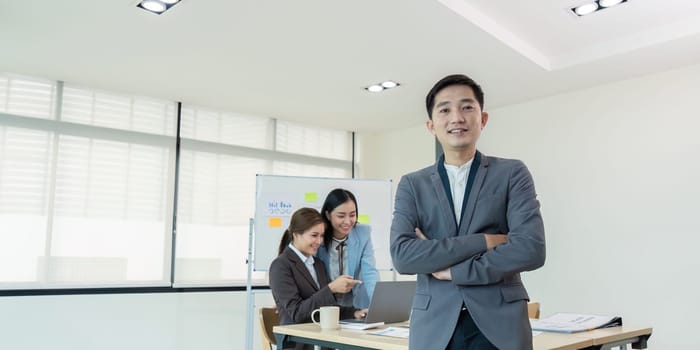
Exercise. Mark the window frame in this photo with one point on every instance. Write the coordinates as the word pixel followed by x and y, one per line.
pixel 58 127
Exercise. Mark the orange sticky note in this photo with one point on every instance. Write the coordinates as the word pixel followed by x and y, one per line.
pixel 275 222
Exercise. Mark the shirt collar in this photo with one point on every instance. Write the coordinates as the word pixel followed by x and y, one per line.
pixel 338 241
pixel 457 169
pixel 309 260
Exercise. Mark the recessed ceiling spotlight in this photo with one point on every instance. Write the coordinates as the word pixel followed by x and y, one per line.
pixel 157 6
pixel 153 6
pixel 595 6
pixel 374 88
pixel 586 9
pixel 609 3
pixel 388 84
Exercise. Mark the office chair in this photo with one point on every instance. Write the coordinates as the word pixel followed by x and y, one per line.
pixel 268 318
pixel 533 310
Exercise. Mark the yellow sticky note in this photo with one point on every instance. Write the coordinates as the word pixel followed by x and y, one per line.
pixel 275 222
pixel 310 197
pixel 363 218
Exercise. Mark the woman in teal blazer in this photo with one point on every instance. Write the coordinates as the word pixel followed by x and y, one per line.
pixel 345 236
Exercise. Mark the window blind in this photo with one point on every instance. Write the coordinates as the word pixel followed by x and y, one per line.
pixel 318 142
pixel 80 211
pixel 87 186
pixel 216 196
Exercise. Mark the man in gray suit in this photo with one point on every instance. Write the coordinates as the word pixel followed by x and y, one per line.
pixel 467 226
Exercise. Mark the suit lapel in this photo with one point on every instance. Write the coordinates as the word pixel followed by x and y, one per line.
pixel 301 268
pixel 353 245
pixel 474 195
pixel 444 199
pixel 320 273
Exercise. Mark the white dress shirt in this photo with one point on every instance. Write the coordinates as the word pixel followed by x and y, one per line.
pixel 458 176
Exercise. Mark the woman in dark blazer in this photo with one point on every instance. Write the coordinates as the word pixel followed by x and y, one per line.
pixel 299 282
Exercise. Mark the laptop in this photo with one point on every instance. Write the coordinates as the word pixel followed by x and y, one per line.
pixel 391 303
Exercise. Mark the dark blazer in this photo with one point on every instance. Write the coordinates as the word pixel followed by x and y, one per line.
pixel 295 292
pixel 502 200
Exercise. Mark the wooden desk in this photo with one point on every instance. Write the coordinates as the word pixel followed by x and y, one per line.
pixel 346 339
pixel 607 338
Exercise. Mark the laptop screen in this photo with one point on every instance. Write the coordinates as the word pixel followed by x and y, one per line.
pixel 391 302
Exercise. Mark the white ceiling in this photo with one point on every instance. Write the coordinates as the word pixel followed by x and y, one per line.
pixel 309 60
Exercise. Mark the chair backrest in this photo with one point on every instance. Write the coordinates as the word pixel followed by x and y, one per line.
pixel 533 310
pixel 268 318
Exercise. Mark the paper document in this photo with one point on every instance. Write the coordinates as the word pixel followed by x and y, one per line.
pixel 572 323
pixel 396 332
pixel 360 325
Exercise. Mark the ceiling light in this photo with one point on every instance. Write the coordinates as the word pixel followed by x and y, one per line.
pixel 153 6
pixel 595 6
pixel 374 88
pixel 157 6
pixel 609 3
pixel 586 9
pixel 385 85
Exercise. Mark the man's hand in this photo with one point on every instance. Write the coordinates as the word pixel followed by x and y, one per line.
pixel 444 275
pixel 420 234
pixel 493 240
pixel 343 284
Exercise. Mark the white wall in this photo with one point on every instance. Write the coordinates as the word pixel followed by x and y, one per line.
pixel 617 170
pixel 174 321
pixel 389 155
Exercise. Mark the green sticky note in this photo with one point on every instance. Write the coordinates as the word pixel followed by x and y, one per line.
pixel 310 197
pixel 363 218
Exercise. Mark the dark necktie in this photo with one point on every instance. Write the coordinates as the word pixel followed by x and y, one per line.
pixel 340 248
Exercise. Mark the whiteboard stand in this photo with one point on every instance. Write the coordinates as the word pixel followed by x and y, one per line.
pixel 249 290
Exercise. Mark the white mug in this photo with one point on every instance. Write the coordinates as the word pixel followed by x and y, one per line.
pixel 329 317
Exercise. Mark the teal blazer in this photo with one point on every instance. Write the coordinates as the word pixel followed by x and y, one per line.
pixel 362 265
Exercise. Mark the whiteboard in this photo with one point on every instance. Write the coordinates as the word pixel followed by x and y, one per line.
pixel 277 197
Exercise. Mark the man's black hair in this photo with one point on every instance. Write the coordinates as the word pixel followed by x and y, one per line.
pixel 454 79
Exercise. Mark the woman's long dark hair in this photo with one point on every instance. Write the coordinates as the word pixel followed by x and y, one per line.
pixel 302 220
pixel 335 198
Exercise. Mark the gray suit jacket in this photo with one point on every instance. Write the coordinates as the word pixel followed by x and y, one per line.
pixel 502 200
pixel 295 292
